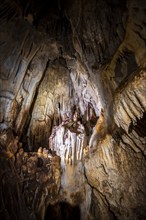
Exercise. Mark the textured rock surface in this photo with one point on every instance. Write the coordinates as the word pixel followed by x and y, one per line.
pixel 63 65
pixel 116 173
pixel 116 170
pixel 30 181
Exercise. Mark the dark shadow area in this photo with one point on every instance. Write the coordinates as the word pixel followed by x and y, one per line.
pixel 62 211
pixel 140 126
pixel 125 66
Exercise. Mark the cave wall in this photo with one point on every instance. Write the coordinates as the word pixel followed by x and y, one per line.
pixel 115 192
pixel 116 50
pixel 19 85
pixel 24 88
pixel 62 62
pixel 30 181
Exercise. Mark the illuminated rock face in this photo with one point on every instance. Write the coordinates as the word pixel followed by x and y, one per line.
pixel 72 109
pixel 116 168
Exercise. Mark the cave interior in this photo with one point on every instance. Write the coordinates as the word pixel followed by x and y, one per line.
pixel 73 110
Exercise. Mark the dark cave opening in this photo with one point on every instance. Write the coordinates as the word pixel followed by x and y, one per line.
pixel 62 211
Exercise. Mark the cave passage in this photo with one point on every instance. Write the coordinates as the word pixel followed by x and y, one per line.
pixel 62 211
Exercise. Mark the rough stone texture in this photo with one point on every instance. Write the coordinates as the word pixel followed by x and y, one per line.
pixel 53 97
pixel 130 105
pixel 116 170
pixel 30 181
pixel 28 54
pixel 63 65
pixel 130 95
pixel 117 175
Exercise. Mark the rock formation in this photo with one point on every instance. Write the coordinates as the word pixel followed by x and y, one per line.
pixel 73 109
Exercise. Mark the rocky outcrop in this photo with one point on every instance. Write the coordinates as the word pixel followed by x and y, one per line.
pixel 130 108
pixel 116 170
pixel 30 181
pixel 19 85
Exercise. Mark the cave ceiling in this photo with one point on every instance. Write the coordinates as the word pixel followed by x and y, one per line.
pixel 39 37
